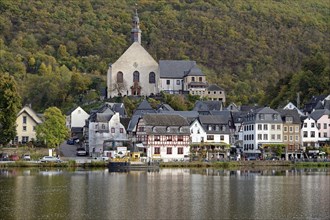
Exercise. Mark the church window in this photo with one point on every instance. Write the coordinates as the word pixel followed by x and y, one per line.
pixel 120 78
pixel 152 77
pixel 136 76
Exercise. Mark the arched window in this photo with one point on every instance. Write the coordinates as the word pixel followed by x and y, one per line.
pixel 120 78
pixel 152 77
pixel 136 76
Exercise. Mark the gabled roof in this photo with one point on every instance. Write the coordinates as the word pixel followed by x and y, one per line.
pixel 265 110
pixel 214 87
pixel 290 112
pixel 174 68
pixel 29 111
pixel 207 105
pixel 144 105
pixel 194 71
pixel 164 107
pixel 164 120
pixel 103 117
pixel 317 114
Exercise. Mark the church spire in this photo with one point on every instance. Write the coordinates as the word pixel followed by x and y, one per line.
pixel 136 32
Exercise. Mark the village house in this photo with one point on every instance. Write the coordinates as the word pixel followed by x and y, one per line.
pixel 26 123
pixel 164 137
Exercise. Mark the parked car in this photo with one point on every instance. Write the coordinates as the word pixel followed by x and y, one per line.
pixel 4 157
pixel 26 157
pixel 252 158
pixel 49 159
pixel 14 157
pixel 70 142
pixel 102 158
pixel 81 152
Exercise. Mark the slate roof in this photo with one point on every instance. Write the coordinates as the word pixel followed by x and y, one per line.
pixel 164 107
pixel 144 105
pixel 103 117
pixel 174 68
pixel 317 114
pixel 214 119
pixel 290 112
pixel 133 122
pixel 189 115
pixel 214 87
pixel 194 71
pixel 207 105
pixel 164 120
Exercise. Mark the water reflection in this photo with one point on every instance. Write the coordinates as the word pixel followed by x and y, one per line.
pixel 167 194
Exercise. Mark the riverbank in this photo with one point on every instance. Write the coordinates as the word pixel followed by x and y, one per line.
pixel 197 164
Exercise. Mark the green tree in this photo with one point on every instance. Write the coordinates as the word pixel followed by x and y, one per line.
pixel 53 130
pixel 10 103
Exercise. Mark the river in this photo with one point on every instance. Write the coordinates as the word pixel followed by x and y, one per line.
pixel 166 194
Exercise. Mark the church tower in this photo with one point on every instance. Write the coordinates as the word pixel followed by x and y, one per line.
pixel 136 32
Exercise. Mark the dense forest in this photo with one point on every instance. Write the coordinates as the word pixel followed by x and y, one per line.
pixel 260 52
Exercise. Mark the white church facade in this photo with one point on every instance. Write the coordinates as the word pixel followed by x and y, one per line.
pixel 136 73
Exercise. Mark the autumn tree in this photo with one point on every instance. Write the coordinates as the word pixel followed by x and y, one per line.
pixel 53 130
pixel 10 103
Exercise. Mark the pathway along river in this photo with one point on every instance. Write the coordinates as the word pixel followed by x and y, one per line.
pixel 167 194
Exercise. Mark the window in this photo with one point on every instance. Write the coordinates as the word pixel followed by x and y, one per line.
pixel 222 137
pixel 25 139
pixel 169 137
pixel 200 79
pixel 278 137
pixel 318 125
pixel 312 133
pixel 305 134
pixel 285 128
pixel 193 79
pixel 259 127
pixel 312 125
pixel 273 127
pixel 305 125
pixel 157 138
pixel 261 116
pixel 278 127
pixel 120 77
pixel 141 129
pixel 180 138
pixel 168 82
pixel 265 137
pixel 275 116
pixel 296 128
pixel 121 130
pixel 297 137
pixel 288 119
pixel 24 128
pixel 291 138
pixel 103 126
pixel 152 78
pixel 325 125
pixel 169 150
pixel 325 134
pixel 210 137
pixel 178 82
pixel 273 137
pixel 112 130
pixel 265 127
pixel 259 136
pixel 157 150
pixel 34 128
pixel 24 119
pixel 291 129
pixel 285 138
pixel 136 76
pixel 180 150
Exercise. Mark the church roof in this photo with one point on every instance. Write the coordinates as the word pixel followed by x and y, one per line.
pixel 175 68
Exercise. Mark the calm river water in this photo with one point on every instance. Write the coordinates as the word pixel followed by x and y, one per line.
pixel 166 194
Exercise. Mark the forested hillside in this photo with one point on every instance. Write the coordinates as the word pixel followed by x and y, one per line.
pixel 259 51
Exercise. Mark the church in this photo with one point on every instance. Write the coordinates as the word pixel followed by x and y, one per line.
pixel 136 73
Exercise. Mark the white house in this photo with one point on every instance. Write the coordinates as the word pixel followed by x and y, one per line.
pixel 26 123
pixel 310 132
pixel 77 118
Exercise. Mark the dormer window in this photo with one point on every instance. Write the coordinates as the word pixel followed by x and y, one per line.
pixel 275 116
pixel 261 116
pixel 168 129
